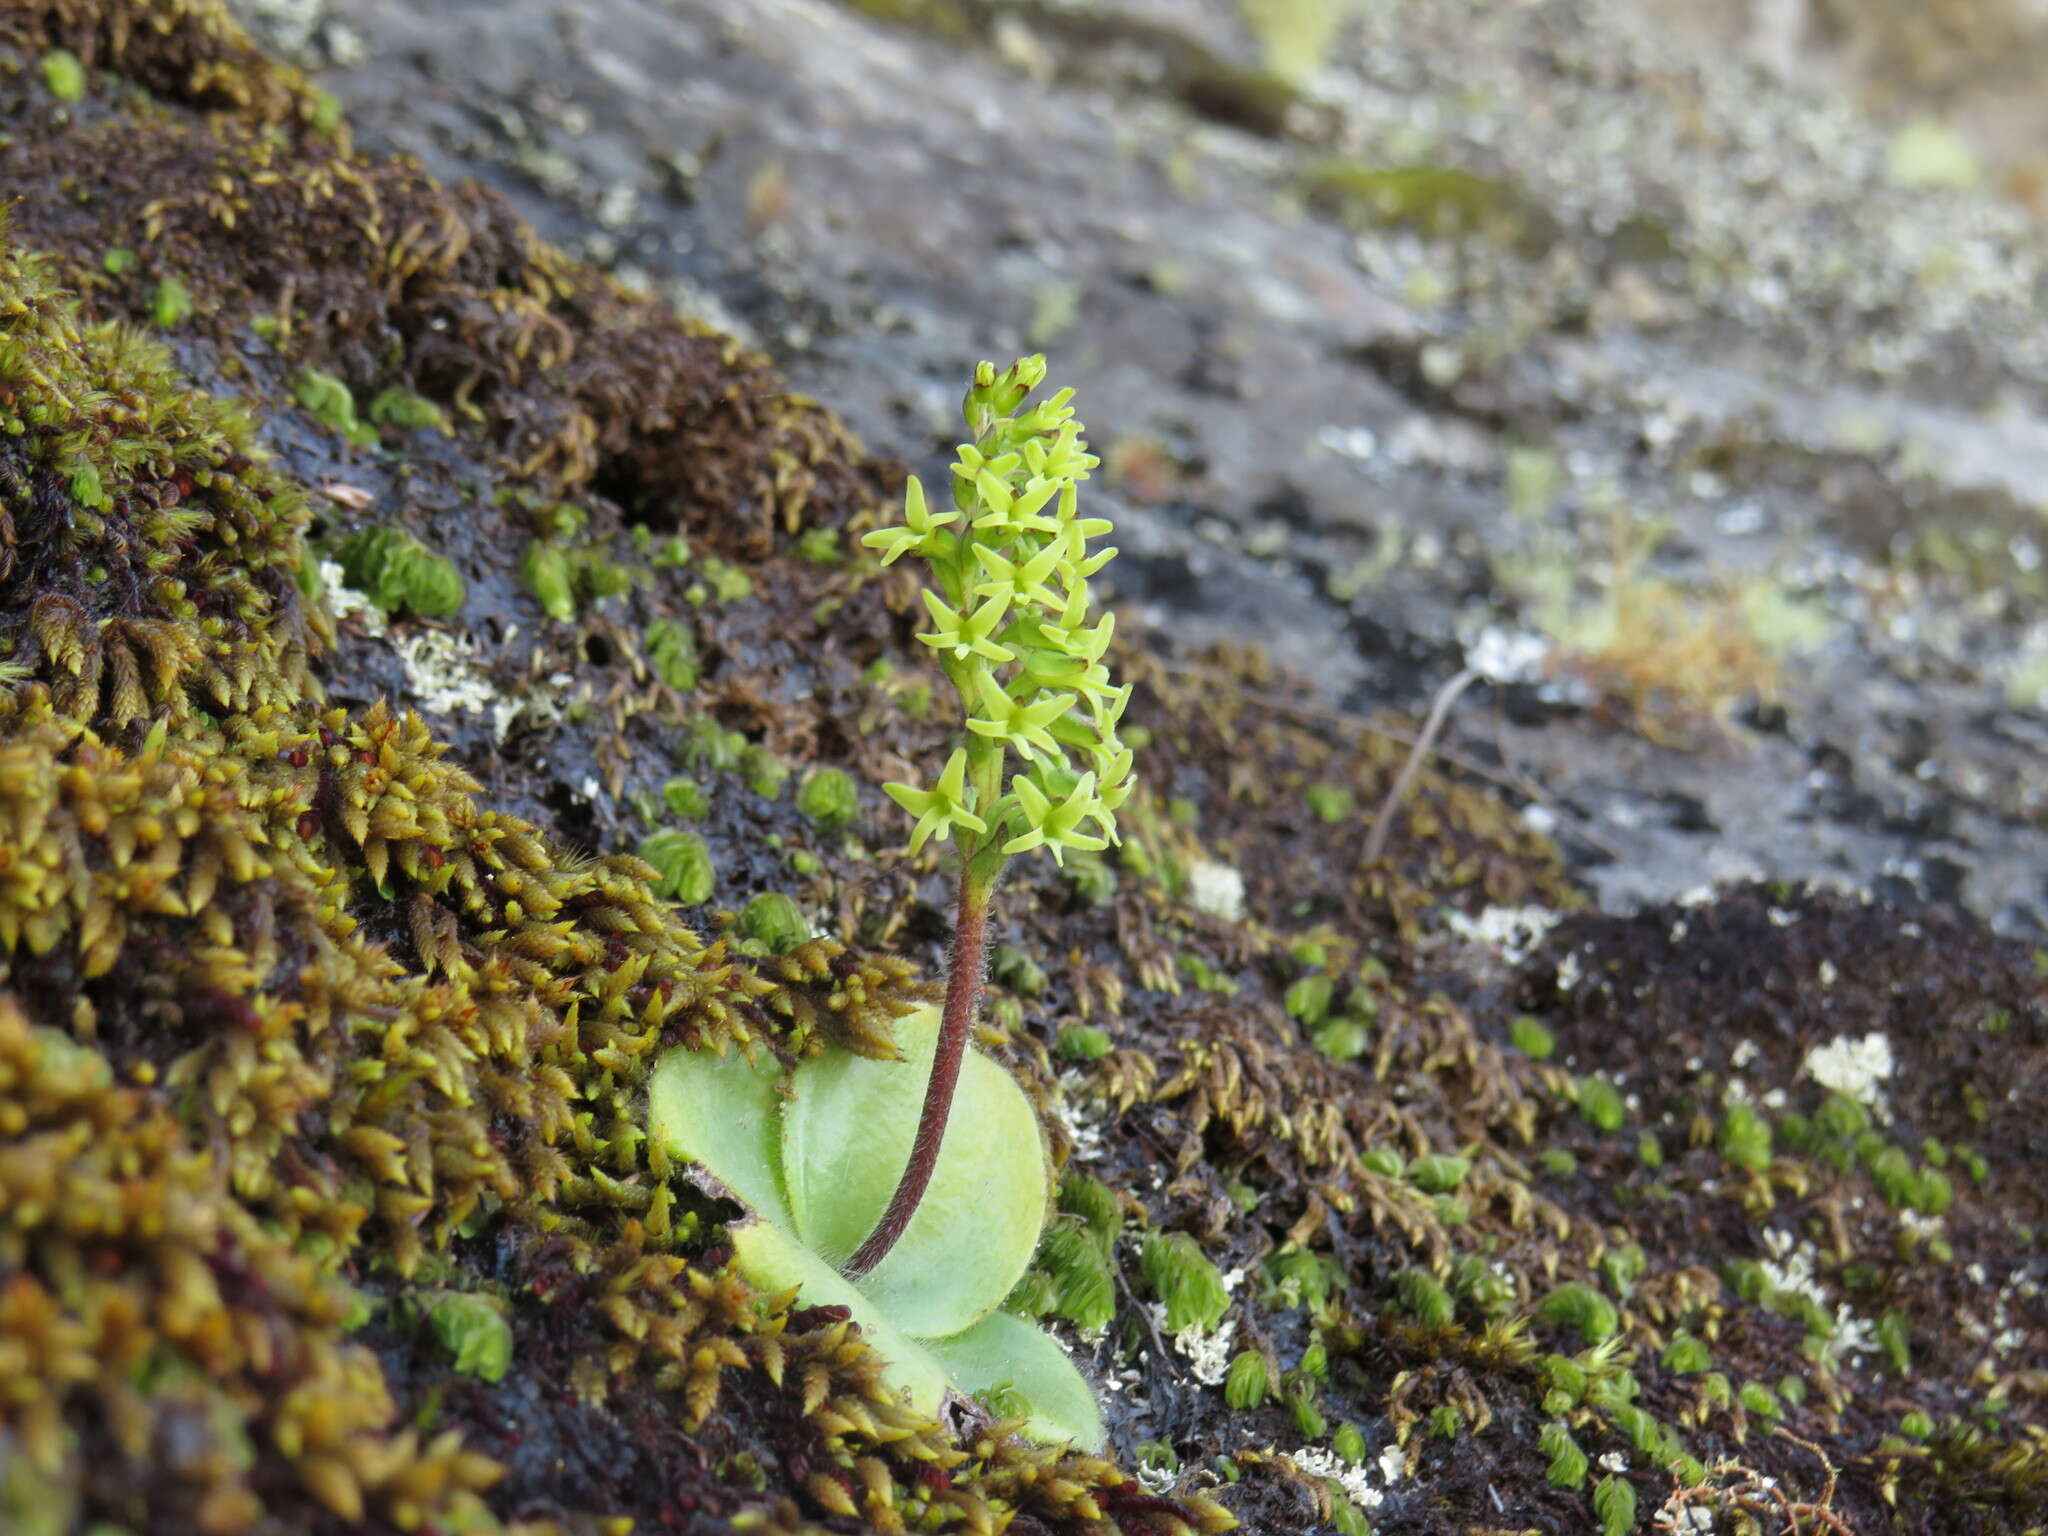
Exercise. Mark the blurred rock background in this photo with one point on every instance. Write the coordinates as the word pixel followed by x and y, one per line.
pixel 1683 375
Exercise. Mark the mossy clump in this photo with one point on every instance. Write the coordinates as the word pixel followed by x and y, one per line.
pixel 146 549
pixel 400 574
pixel 682 863
pixel 829 799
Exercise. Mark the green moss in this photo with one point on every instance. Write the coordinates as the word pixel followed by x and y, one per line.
pixel 765 772
pixel 1083 1281
pixel 685 798
pixel 772 919
pixel 672 652
pixel 332 403
pixel 1300 1278
pixel 1760 1400
pixel 1330 803
pixel 545 568
pixel 1245 1382
pixel 1568 1464
pixel 1600 1103
pixel 1614 1505
pixel 1581 1308
pixel 1686 1355
pixel 1892 1338
pixel 1530 1037
pixel 1439 1174
pixel 1385 1162
pixel 684 864
pixel 402 408
pixel 828 797
pixel 1344 1039
pixel 472 1328
pixel 1015 969
pixel 1424 1298
pixel 1309 998
pixel 1084 1042
pixel 1745 1138
pixel 1181 1276
pixel 399 574
pixel 1622 1266
pixel 64 75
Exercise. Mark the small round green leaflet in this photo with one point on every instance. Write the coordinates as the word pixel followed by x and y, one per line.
pixel 816 1163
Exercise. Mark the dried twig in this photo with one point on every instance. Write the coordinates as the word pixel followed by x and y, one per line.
pixel 1439 712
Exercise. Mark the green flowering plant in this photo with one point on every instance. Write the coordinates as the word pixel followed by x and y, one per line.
pixel 1042 765
pixel 862 1186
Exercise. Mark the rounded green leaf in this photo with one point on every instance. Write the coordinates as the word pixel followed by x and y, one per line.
pixel 775 1261
pixel 845 1139
pixel 1003 1350
pixel 723 1112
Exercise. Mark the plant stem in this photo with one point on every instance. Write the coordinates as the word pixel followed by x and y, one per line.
pixel 963 993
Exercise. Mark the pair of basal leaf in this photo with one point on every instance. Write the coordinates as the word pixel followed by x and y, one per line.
pixel 814 1156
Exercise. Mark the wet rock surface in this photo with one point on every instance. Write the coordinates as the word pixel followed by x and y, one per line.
pixel 1640 313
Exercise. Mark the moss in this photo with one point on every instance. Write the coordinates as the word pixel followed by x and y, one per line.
pixel 401 575
pixel 1600 1102
pixel 1084 1042
pixel 170 301
pixel 682 862
pixel 829 799
pixel 774 920
pixel 1189 1286
pixel 332 404
pixel 112 465
pixel 64 75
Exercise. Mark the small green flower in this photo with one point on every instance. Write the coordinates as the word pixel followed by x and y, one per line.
pixel 1021 580
pixel 920 524
pixel 1020 723
pixel 1081 643
pixel 1053 825
pixel 1014 516
pixel 969 635
pixel 1079 565
pixel 943 807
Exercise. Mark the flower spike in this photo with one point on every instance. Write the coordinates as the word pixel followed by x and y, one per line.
pixel 1011 624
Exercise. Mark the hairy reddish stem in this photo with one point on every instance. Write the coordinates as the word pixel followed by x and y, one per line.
pixel 963 993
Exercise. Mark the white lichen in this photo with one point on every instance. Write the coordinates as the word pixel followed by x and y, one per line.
pixel 1206 1350
pixel 345 602
pixel 1514 932
pixel 442 675
pixel 1356 1482
pixel 1217 889
pixel 1853 1068
pixel 1081 1114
